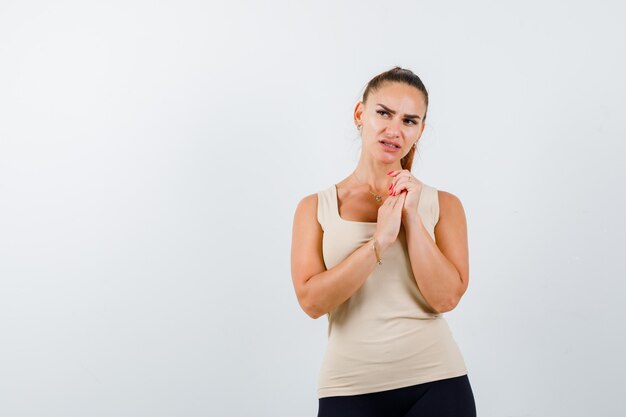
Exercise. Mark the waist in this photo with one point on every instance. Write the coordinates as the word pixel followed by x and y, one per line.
pixel 387 353
pixel 386 335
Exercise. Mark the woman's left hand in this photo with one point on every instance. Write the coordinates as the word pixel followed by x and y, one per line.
pixel 404 181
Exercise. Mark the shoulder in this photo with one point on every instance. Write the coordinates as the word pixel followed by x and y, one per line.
pixel 306 225
pixel 448 201
pixel 307 205
pixel 450 208
pixel 310 207
pixel 308 200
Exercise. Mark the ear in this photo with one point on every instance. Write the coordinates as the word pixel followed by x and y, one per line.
pixel 358 112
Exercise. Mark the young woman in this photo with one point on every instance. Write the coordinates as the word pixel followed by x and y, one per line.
pixel 384 255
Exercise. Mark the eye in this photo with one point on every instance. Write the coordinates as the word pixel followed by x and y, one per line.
pixel 411 120
pixel 381 112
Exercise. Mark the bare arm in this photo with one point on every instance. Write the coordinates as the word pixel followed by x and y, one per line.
pixel 441 269
pixel 320 290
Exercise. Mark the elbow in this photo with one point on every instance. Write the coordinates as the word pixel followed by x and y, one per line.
pixel 314 314
pixel 307 302
pixel 314 311
pixel 311 309
pixel 447 305
pixel 453 301
pixel 440 309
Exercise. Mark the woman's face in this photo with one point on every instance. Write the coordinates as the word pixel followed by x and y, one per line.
pixel 393 114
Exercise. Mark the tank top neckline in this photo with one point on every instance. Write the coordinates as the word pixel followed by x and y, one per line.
pixel 336 200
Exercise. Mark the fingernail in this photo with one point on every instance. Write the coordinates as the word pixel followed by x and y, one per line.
pixel 389 172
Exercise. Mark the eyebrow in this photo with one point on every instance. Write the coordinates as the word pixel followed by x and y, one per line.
pixel 409 116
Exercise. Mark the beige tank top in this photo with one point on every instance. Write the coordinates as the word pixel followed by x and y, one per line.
pixel 385 335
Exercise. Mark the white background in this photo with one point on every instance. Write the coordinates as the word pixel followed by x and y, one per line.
pixel 152 155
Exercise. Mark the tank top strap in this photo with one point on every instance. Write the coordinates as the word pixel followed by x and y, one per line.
pixel 326 207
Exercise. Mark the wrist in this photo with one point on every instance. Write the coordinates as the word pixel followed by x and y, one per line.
pixel 373 246
pixel 412 219
pixel 382 244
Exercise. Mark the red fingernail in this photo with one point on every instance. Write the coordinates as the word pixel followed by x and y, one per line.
pixel 389 172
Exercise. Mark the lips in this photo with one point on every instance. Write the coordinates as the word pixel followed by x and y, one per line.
pixel 390 142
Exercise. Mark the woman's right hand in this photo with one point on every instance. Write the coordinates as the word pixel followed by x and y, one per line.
pixel 389 220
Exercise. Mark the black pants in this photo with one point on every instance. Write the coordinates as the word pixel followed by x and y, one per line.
pixel 451 397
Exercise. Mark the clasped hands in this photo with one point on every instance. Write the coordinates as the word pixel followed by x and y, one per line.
pixel 400 208
pixel 404 181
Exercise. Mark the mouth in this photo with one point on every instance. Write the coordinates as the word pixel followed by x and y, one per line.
pixel 389 144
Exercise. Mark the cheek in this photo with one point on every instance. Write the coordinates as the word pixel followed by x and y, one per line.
pixel 412 130
pixel 376 124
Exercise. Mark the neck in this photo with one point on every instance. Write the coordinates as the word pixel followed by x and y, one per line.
pixel 374 173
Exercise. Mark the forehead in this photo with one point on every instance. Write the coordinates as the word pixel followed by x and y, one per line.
pixel 399 96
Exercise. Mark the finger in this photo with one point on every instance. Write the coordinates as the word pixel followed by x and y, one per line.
pixel 402 177
pixel 396 189
pixel 401 184
pixel 399 202
pixel 393 200
pixel 393 185
pixel 396 172
pixel 394 175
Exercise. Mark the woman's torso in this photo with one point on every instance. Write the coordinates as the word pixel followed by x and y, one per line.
pixel 385 335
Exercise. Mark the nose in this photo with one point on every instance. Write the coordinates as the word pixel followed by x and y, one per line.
pixel 393 128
